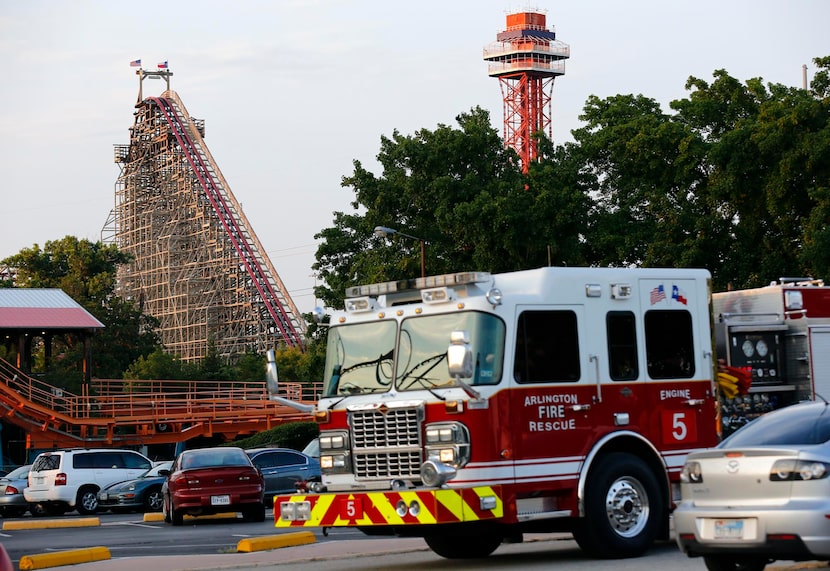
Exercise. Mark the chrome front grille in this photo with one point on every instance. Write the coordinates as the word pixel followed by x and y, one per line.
pixel 387 442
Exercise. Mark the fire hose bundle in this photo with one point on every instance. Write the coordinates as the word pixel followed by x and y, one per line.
pixel 733 381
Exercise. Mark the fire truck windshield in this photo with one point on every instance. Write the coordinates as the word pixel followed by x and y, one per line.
pixel 359 357
pixel 422 349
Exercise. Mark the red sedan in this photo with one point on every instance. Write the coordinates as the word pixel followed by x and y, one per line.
pixel 213 480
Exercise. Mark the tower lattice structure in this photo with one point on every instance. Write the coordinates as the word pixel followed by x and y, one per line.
pixel 526 57
pixel 198 266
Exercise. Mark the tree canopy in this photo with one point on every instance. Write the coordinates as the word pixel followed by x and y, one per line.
pixel 86 271
pixel 735 179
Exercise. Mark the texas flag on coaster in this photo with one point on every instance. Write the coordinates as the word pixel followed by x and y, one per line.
pixel 163 65
pixel 135 63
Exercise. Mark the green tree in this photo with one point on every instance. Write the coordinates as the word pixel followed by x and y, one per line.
pixel 648 170
pixel 212 368
pixel 734 181
pixel 302 366
pixel 250 367
pixel 86 271
pixel 463 193
pixel 159 365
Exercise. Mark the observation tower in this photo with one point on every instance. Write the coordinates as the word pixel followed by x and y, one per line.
pixel 526 57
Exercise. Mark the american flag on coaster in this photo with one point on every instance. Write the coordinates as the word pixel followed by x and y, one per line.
pixel 135 63
pixel 163 65
pixel 658 294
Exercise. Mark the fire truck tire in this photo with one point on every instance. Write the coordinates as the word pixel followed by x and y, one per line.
pixel 623 508
pixel 454 546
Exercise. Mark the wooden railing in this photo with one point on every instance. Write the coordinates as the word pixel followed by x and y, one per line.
pixel 107 407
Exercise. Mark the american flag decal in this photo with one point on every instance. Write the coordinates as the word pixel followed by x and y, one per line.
pixel 658 294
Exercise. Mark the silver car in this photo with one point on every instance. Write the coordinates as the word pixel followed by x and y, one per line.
pixel 760 495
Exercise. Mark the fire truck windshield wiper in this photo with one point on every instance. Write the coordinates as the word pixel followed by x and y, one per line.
pixel 421 378
pixel 352 388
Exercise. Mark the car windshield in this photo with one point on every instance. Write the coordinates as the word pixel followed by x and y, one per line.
pixel 212 457
pixel 154 471
pixel 801 424
pixel 18 473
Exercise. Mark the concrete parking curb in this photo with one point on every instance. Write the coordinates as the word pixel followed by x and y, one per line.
pixel 52 523
pixel 158 516
pixel 268 542
pixel 58 558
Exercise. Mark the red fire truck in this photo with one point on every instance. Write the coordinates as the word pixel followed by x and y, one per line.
pixel 470 408
pixel 780 335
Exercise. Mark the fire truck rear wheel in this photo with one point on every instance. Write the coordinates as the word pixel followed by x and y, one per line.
pixel 623 508
pixel 467 546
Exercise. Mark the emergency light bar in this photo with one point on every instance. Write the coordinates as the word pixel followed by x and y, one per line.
pixel 444 280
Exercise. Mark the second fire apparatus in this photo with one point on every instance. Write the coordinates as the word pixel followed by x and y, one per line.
pixel 470 408
pixel 780 335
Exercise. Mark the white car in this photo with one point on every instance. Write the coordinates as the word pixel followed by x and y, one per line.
pixel 760 495
pixel 62 480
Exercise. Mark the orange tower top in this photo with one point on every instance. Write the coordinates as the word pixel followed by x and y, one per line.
pixel 526 57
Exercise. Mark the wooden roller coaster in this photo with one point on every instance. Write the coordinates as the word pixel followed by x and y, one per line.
pixel 133 413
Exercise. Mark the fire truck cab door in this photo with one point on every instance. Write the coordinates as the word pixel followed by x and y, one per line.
pixel 678 364
pixel 554 383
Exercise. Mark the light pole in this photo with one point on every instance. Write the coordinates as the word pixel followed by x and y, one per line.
pixel 383 232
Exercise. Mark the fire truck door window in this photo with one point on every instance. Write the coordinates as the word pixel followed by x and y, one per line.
pixel 547 347
pixel 622 345
pixel 669 344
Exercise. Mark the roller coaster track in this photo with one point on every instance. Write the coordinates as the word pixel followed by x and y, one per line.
pixel 133 413
pixel 231 217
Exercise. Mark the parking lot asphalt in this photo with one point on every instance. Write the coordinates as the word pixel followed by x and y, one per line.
pixel 258 560
pixel 255 560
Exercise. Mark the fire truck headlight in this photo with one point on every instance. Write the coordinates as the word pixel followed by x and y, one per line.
pixel 334 441
pixel 448 443
pixel 443 455
pixel 333 462
pixel 436 474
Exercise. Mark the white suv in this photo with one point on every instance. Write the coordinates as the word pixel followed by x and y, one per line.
pixel 61 480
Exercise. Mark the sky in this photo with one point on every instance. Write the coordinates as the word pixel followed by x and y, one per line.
pixel 293 91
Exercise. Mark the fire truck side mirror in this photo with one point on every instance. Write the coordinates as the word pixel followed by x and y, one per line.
pixel 271 376
pixel 459 355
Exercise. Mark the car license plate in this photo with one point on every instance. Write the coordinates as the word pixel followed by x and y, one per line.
pixel 729 529
pixel 220 500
